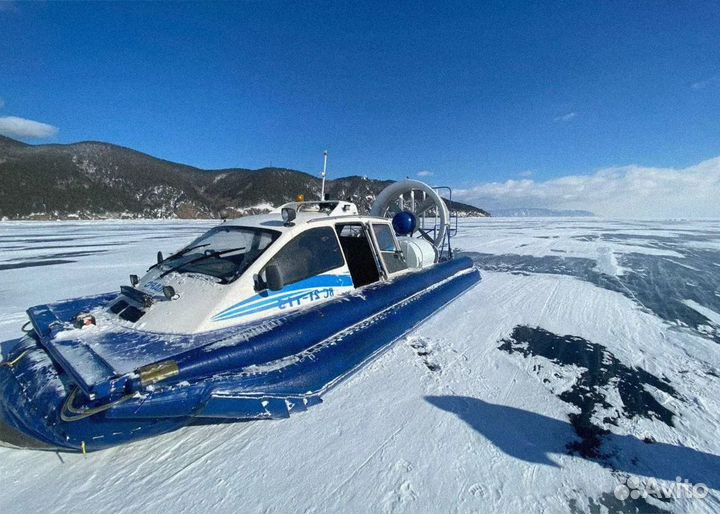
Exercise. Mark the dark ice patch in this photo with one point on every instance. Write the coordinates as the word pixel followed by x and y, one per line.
pixel 661 284
pixel 658 240
pixel 48 259
pixel 161 237
pixel 34 264
pixel 69 246
pixel 79 253
pixel 602 370
pixel 586 238
pixel 32 240
pixel 574 266
pixel 657 283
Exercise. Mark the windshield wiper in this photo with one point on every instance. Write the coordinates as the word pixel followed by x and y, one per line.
pixel 215 253
pixel 185 250
pixel 179 254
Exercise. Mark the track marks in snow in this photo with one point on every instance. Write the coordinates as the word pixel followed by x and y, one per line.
pixel 477 490
pixel 446 367
pixel 423 349
pixel 377 451
pixel 402 491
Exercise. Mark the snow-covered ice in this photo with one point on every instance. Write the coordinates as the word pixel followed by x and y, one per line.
pixel 587 356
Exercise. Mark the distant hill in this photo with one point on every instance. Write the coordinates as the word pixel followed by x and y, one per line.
pixel 92 180
pixel 524 212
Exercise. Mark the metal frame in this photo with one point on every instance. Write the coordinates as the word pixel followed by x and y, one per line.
pixel 445 251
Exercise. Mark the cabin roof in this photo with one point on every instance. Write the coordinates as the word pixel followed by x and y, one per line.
pixel 307 212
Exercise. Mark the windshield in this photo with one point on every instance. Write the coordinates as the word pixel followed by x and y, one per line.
pixel 224 252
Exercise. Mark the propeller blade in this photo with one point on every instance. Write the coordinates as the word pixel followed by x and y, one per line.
pixel 423 206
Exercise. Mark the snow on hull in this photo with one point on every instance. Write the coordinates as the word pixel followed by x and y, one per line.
pixel 447 420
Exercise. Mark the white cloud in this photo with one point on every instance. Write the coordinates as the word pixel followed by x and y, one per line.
pixel 528 173
pixel 13 126
pixel 566 117
pixel 702 84
pixel 425 173
pixel 625 192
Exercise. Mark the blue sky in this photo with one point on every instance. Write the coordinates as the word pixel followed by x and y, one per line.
pixel 475 93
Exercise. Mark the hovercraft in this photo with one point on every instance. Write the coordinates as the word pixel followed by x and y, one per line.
pixel 255 319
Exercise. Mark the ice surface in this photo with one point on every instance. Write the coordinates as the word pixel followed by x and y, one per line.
pixel 710 314
pixel 446 420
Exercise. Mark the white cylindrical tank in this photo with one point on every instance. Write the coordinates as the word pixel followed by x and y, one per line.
pixel 418 252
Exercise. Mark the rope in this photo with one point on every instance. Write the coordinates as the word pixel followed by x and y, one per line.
pixel 27 331
pixel 86 413
pixel 17 359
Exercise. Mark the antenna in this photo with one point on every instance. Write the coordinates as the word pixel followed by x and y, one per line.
pixel 324 172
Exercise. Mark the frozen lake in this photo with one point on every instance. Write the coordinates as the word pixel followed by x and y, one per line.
pixel 588 355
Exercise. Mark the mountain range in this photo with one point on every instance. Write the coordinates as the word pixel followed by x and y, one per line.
pixel 533 212
pixel 91 180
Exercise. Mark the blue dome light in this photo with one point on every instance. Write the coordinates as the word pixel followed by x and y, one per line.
pixel 404 223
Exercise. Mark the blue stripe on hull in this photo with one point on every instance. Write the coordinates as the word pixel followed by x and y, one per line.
pixel 276 299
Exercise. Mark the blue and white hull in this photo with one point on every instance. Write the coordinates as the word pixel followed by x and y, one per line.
pixel 115 385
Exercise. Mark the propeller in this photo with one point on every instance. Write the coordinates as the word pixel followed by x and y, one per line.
pixel 417 198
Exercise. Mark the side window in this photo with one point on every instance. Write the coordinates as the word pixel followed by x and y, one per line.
pixel 313 252
pixel 350 231
pixel 384 237
pixel 391 257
